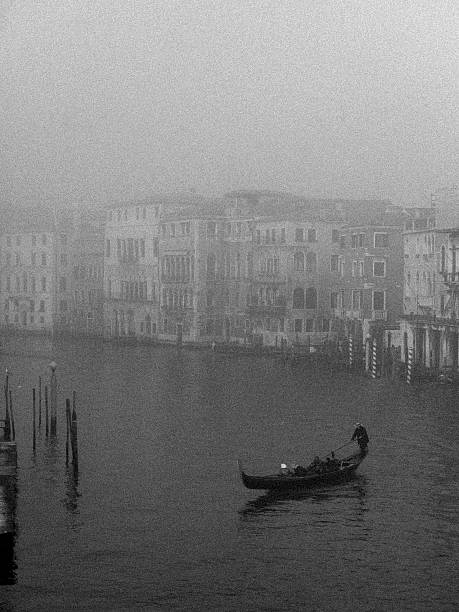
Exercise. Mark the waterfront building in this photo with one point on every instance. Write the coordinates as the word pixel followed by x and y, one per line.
pixel 371 283
pixel 28 278
pixel 131 282
pixel 51 271
pixel 430 324
pixel 87 282
pixel 294 271
pixel 204 266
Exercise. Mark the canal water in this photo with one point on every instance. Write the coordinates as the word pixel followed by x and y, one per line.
pixel 159 519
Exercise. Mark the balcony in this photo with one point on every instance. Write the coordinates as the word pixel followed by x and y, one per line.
pixel 265 310
pixel 379 315
pixel 451 278
pixel 354 314
pixel 339 313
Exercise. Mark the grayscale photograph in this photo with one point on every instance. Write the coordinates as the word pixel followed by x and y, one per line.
pixel 229 305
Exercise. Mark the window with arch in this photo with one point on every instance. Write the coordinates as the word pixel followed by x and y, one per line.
pixel 298 298
pixel 311 261
pixel 443 260
pixel 311 298
pixel 211 266
pixel 298 261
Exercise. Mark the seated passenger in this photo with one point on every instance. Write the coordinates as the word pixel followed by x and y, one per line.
pixel 315 464
pixel 284 471
pixel 299 470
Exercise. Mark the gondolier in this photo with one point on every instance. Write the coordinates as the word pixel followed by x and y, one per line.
pixel 360 434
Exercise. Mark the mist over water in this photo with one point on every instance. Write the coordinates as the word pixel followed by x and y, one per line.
pixel 121 100
pixel 159 517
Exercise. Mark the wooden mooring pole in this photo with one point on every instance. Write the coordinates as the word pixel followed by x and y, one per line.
pixel 34 420
pixel 74 439
pixel 39 402
pixel 46 411
pixel 68 418
pixel 13 428
pixel 7 429
pixel 53 385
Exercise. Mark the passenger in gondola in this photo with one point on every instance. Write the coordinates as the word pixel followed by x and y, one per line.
pixel 315 465
pixel 299 470
pixel 360 434
pixel 284 471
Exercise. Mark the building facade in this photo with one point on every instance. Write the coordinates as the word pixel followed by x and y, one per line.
pixel 431 309
pixel 131 280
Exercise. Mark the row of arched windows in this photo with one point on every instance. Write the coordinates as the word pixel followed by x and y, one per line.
pixel 229 266
pixel 177 268
pixel 182 298
pixel 266 296
pixel 270 296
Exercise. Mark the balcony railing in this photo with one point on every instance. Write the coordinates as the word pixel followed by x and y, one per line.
pixel 451 278
pixel 379 315
pixel 267 310
pixel 354 314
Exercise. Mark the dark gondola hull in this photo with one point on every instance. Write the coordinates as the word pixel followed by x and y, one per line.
pixel 282 483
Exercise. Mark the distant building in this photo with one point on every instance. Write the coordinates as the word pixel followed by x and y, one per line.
pixel 131 281
pixel 430 324
pixel 87 281
pixel 294 271
pixel 35 288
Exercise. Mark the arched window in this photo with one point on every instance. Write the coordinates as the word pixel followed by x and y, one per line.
pixel 311 261
pixel 211 266
pixel 249 264
pixel 298 298
pixel 298 261
pixel 311 298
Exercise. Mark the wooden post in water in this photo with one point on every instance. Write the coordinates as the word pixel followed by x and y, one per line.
pixel 74 439
pixel 39 402
pixel 13 428
pixel 409 366
pixel 374 359
pixel 46 411
pixel 53 385
pixel 68 418
pixel 7 429
pixel 34 420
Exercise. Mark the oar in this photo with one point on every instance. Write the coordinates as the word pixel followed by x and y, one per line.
pixel 340 447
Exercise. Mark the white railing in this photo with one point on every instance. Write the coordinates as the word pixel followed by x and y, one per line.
pixel 379 315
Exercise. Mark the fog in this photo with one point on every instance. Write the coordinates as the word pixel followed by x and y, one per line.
pixel 106 100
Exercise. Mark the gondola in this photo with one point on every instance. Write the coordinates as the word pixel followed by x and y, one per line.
pixel 281 482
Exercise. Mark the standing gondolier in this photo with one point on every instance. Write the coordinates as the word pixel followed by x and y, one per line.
pixel 360 434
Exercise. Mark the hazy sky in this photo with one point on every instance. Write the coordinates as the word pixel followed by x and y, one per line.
pixel 122 99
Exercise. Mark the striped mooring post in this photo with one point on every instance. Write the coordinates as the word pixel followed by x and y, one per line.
pixel 374 359
pixel 351 352
pixel 409 366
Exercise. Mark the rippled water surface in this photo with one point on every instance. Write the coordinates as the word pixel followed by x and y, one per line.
pixel 158 518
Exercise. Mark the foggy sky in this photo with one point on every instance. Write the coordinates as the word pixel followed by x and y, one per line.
pixel 122 99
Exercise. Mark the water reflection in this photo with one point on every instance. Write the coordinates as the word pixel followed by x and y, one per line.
pixel 71 490
pixel 8 497
pixel 277 501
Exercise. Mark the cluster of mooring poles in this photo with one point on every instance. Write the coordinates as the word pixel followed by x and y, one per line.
pixel 50 416
pixel 378 360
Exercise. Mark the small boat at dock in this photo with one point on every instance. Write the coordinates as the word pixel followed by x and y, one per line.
pixel 340 470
